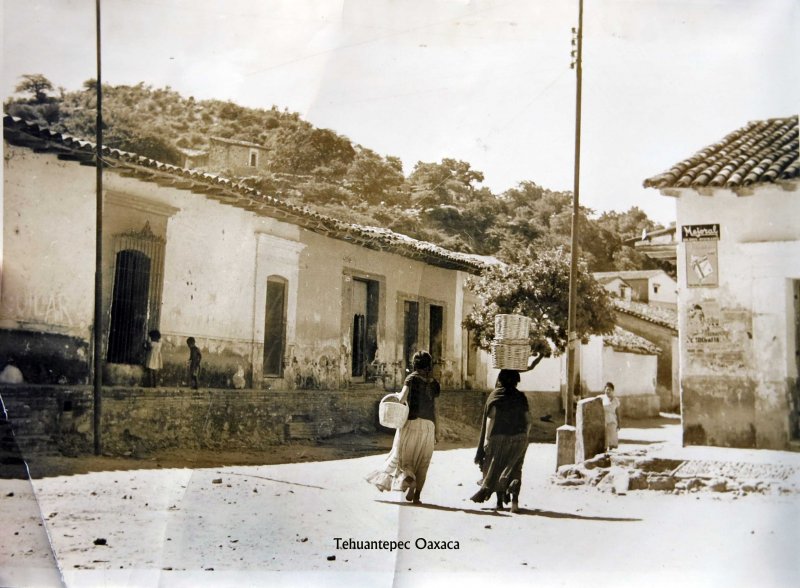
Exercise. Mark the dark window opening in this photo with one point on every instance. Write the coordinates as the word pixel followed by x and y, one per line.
pixel 129 308
pixel 436 333
pixel 472 355
pixel 253 159
pixel 275 327
pixel 410 331
pixel 359 344
pixel 364 326
pixel 136 294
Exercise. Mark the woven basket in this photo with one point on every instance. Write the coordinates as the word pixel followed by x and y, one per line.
pixel 510 356
pixel 511 327
pixel 391 412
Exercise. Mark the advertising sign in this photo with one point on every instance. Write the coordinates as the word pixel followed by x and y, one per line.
pixel 702 264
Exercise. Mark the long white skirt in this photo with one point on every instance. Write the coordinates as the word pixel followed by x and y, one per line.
pixel 407 464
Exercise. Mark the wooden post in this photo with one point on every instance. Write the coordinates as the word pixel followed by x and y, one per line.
pixel 573 345
pixel 97 346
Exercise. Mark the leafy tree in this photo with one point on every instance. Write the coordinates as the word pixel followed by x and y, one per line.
pixel 375 179
pixel 627 258
pixel 627 224
pixel 35 84
pixel 536 285
pixel 468 224
pixel 606 240
pixel 449 182
pixel 47 114
pixel 303 149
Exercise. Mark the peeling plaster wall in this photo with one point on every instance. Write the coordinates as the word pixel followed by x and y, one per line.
pixel 737 339
pixel 48 267
pixel 323 344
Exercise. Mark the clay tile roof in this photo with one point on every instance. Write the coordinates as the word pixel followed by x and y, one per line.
pixel 625 341
pixel 658 315
pixel 763 151
pixel 226 191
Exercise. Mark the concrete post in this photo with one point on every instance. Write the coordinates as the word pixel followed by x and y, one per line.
pixel 565 445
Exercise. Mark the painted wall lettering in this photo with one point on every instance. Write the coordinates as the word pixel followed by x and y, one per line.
pixel 50 308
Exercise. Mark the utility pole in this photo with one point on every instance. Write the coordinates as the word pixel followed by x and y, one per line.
pixel 573 345
pixel 98 263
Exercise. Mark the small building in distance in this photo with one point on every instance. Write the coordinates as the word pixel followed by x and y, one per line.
pixel 240 158
pixel 649 286
pixel 616 286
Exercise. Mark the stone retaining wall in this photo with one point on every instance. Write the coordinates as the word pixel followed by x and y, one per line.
pixel 136 421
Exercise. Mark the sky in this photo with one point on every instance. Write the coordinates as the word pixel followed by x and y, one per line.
pixel 484 81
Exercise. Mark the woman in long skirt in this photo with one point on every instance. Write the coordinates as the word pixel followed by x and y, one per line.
pixel 503 442
pixel 406 466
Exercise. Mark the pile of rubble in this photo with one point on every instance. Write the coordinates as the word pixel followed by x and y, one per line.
pixel 623 472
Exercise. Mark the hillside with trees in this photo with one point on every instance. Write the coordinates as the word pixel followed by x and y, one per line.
pixel 441 202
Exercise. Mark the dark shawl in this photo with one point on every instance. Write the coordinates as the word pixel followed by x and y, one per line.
pixel 509 399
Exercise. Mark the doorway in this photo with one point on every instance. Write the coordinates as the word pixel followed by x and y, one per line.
pixel 436 335
pixel 274 327
pixel 129 307
pixel 363 326
pixel 410 332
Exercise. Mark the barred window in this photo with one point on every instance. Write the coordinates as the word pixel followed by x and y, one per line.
pixel 136 294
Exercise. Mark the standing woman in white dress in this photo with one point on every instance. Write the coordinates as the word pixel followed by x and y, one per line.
pixel 611 409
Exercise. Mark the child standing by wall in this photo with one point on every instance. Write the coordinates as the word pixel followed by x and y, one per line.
pixel 611 409
pixel 153 362
pixel 194 362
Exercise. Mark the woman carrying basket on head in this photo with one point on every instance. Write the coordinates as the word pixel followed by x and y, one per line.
pixel 503 441
pixel 406 466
